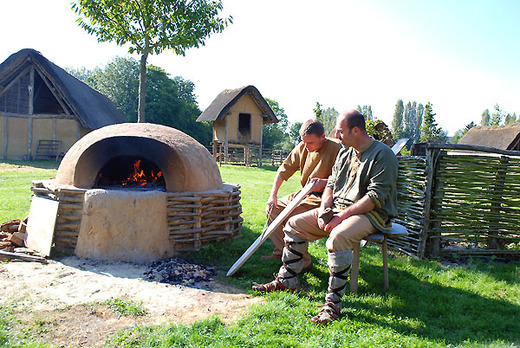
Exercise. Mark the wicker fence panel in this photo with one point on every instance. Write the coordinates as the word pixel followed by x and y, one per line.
pixel 411 189
pixel 476 205
pixel 196 219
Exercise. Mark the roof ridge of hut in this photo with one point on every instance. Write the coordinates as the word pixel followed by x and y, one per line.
pixel 505 137
pixel 91 108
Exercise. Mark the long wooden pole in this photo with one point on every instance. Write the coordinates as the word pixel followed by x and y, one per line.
pixel 269 230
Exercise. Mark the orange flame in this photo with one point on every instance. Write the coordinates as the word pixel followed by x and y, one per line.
pixel 139 178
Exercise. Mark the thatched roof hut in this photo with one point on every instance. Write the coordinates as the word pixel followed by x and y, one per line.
pixel 238 116
pixel 224 102
pixel 41 101
pixel 499 137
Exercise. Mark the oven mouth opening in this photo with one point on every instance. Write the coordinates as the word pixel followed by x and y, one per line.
pixel 130 172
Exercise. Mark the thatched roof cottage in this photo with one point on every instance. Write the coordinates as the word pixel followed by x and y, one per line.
pixel 42 103
pixel 238 116
pixel 499 137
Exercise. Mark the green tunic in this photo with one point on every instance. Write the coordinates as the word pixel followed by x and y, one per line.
pixel 375 176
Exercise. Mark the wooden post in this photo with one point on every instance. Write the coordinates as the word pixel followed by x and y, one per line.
pixel 493 242
pixel 31 110
pixel 6 135
pixel 226 143
pixel 431 167
pixel 261 145
pixel 247 161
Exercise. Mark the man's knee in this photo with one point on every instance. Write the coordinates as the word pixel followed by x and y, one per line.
pixel 339 242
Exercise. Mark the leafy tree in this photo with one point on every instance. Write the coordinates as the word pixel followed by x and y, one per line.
pixel 119 81
pixel 397 120
pixel 294 133
pixel 410 120
pixel 83 74
pixel 378 130
pixel 170 101
pixel 484 121
pixel 461 132
pixel 496 117
pixel 430 131
pixel 318 111
pixel 510 119
pixel 328 119
pixel 419 112
pixel 275 134
pixel 366 110
pixel 150 27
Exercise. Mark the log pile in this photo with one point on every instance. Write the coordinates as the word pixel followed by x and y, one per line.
pixel 12 234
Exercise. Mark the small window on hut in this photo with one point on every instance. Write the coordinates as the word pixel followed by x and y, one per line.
pixel 244 127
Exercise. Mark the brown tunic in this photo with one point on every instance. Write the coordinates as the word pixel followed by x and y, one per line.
pixel 317 164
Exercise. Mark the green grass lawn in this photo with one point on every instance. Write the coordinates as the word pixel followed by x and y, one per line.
pixel 428 305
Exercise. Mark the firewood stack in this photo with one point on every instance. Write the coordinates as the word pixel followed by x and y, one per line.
pixel 13 234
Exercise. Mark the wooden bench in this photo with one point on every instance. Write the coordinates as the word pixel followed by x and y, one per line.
pixel 48 149
pixel 381 238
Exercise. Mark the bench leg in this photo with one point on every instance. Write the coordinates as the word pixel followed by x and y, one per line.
pixel 384 250
pixel 354 271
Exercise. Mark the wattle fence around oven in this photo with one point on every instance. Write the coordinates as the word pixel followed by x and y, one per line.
pixel 195 218
pixel 460 200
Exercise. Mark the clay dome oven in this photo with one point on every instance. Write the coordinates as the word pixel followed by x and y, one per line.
pixel 185 164
pixel 187 207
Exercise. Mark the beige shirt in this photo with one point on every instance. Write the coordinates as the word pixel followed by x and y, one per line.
pixel 317 164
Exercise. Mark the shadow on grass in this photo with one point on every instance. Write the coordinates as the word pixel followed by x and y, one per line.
pixel 417 304
pixel 433 310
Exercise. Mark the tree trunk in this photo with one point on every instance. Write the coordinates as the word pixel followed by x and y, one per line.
pixel 142 85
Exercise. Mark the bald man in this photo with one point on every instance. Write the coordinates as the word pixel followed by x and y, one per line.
pixel 361 193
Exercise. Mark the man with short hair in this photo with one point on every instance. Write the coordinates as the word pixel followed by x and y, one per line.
pixel 314 156
pixel 362 194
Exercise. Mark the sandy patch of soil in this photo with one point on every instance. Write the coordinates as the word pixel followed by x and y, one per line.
pixel 59 300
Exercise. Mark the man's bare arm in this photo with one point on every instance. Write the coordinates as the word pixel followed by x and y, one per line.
pixel 273 196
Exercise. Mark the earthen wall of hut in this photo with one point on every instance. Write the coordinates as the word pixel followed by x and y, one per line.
pixel 219 130
pixel 246 105
pixel 17 138
pixel 67 130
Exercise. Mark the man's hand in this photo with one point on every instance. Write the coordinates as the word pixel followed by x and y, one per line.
pixel 335 221
pixel 319 185
pixel 324 216
pixel 271 202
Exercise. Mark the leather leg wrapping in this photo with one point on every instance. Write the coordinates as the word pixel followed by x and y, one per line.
pixel 292 258
pixel 339 267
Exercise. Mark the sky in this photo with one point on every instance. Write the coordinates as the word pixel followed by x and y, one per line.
pixel 462 56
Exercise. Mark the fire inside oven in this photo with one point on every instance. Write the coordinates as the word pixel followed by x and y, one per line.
pixel 132 172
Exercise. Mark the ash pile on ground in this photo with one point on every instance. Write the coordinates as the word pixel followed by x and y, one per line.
pixel 176 271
